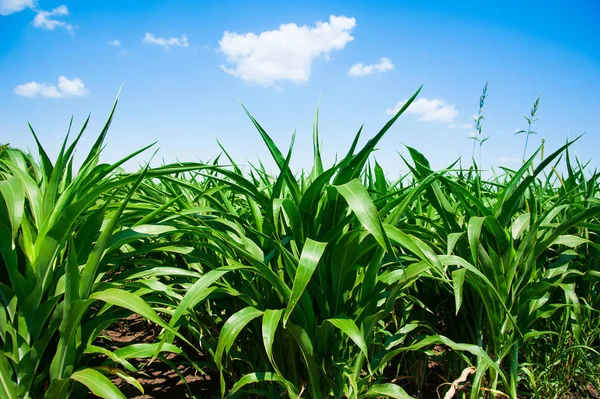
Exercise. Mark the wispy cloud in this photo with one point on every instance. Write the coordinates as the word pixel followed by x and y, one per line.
pixel 286 53
pixel 46 19
pixel 166 43
pixel 65 88
pixel 8 7
pixel 434 110
pixel 117 43
pixel 360 70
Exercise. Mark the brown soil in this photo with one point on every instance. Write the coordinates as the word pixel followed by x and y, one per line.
pixel 157 378
pixel 160 381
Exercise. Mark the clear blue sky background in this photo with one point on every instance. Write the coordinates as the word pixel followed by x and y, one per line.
pixel 183 99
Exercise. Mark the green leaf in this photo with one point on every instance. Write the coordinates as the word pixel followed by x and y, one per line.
pixel 134 303
pixel 388 390
pixel 90 270
pixel 197 293
pixel 98 383
pixel 570 241
pixel 93 349
pixel 361 204
pixel 278 157
pixel 458 261
pixel 267 376
pixel 317 168
pixel 512 194
pixel 92 157
pixel 473 234
pixel 458 278
pixel 8 386
pixel 383 357
pixel 32 191
pixel 348 327
pixel 232 328
pixel 229 333
pixel 14 196
pixel 144 350
pixel 124 376
pixel 46 163
pixel 354 167
pixel 580 217
pixel 309 259
pixel 520 225
pixel 269 327
pixel 308 357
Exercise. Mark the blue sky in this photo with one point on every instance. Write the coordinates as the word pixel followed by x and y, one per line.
pixel 187 65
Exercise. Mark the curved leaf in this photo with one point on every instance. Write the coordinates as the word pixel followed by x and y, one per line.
pixel 309 259
pixel 98 383
pixel 361 204
pixel 267 376
pixel 269 327
pixel 348 327
pixel 388 390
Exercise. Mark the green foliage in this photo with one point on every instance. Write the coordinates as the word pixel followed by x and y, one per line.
pixel 333 283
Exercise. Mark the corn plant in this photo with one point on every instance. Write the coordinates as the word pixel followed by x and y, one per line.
pixel 59 229
pixel 314 269
pixel 504 257
pixel 334 282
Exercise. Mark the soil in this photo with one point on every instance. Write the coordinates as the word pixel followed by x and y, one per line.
pixel 160 381
pixel 157 378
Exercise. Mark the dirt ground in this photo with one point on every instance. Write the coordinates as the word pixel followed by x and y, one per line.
pixel 157 378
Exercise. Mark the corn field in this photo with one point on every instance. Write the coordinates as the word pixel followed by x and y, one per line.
pixel 330 283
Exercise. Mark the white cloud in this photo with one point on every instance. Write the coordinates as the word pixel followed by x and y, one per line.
pixel 435 110
pixel 286 53
pixel 359 70
pixel 34 89
pixel 466 125
pixel 166 43
pixel 8 7
pixel 43 19
pixel 65 88
pixel 72 87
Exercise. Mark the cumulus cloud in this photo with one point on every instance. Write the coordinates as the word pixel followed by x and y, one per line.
pixel 286 53
pixel 434 110
pixel 359 70
pixel 8 7
pixel 166 43
pixel 65 88
pixel 45 19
